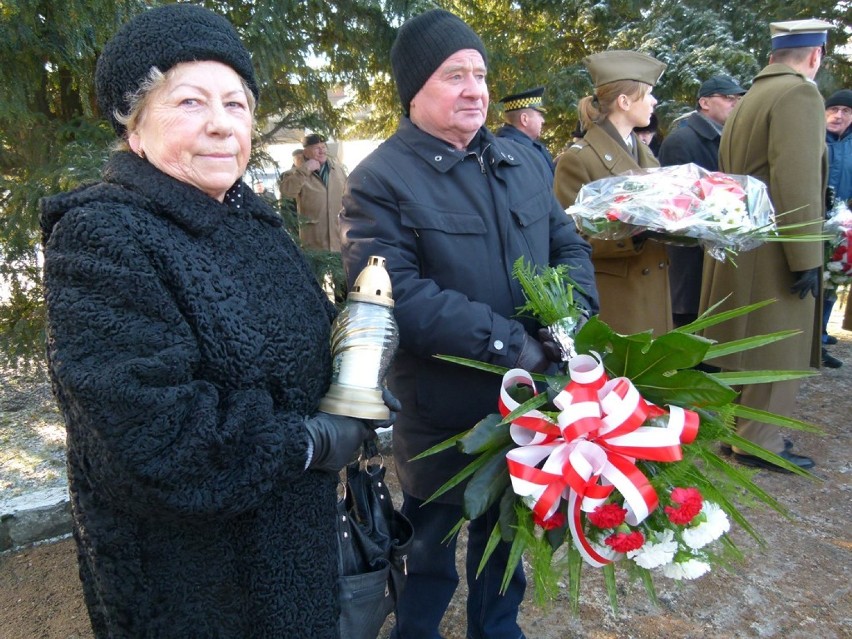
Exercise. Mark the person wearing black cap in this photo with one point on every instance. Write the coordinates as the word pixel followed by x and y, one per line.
pixel 317 186
pixel 452 207
pixel 776 134
pixel 697 141
pixel 188 351
pixel 524 116
pixel 632 274
pixel 838 138
pixel 838 126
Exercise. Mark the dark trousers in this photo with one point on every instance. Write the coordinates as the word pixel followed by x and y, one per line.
pixel 433 578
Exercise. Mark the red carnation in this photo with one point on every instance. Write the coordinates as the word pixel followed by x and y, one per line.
pixel 607 516
pixel 556 520
pixel 625 542
pixel 689 504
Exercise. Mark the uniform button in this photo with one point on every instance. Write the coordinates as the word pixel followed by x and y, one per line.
pixel 608 157
pixel 498 344
pixel 661 265
pixel 645 271
pixel 438 158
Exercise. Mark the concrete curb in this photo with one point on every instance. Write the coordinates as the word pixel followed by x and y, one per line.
pixel 46 514
pixel 34 517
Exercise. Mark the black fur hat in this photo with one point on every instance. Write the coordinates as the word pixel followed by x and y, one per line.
pixel 162 38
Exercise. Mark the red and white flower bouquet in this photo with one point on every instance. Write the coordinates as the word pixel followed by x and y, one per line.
pixel 838 259
pixel 614 463
pixel 682 204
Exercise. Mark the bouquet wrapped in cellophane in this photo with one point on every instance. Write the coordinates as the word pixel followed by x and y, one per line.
pixel 838 258
pixel 682 204
pixel 613 463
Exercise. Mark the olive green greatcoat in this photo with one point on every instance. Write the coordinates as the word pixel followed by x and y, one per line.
pixel 776 134
pixel 632 277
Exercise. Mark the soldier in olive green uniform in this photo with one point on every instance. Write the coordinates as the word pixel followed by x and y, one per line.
pixel 776 134
pixel 631 274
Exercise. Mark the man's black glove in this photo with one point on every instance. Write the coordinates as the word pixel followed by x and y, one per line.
pixel 335 440
pixel 533 357
pixel 394 406
pixel 806 282
pixel 551 348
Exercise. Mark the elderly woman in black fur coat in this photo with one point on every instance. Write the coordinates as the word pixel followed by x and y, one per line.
pixel 188 344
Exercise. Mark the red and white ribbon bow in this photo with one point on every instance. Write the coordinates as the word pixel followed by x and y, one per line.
pixel 592 448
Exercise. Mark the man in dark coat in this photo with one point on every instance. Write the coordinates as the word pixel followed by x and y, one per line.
pixel 777 135
pixel 451 207
pixel 524 116
pixel 696 141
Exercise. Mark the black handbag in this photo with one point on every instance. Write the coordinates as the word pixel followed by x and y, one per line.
pixel 374 541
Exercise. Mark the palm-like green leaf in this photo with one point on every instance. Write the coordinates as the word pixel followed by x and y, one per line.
pixel 747 343
pixel 742 378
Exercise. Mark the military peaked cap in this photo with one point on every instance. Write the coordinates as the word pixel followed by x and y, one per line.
pixel 530 99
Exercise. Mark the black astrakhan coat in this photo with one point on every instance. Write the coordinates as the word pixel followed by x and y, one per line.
pixel 187 342
pixel 451 225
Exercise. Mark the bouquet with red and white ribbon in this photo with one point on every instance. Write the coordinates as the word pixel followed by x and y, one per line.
pixel 615 463
pixel 682 204
pixel 582 469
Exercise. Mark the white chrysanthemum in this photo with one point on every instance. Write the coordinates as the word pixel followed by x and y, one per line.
pixel 656 553
pixel 689 569
pixel 715 526
pixel 834 266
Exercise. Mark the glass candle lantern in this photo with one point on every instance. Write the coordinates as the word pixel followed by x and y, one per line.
pixel 364 339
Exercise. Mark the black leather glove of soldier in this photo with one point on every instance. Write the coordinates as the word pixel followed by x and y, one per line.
pixel 335 439
pixel 806 282
pixel 830 198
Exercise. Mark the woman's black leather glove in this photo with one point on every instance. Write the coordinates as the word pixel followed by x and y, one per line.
pixel 806 282
pixel 335 439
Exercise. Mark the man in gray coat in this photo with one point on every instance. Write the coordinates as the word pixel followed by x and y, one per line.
pixel 696 141
pixel 451 207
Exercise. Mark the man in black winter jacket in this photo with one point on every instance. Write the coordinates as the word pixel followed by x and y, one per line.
pixel 696 141
pixel 451 207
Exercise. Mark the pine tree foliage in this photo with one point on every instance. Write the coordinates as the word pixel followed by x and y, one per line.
pixel 52 137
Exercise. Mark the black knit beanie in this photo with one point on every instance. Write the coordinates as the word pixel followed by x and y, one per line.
pixel 162 38
pixel 840 98
pixel 421 46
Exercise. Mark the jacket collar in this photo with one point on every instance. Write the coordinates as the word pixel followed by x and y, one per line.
pixel 611 151
pixel 776 69
pixel 703 127
pixel 183 203
pixel 442 156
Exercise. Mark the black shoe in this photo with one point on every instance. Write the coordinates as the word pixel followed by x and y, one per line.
pixel 756 462
pixel 831 340
pixel 726 449
pixel 829 360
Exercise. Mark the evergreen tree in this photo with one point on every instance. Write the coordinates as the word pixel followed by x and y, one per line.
pixel 52 137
